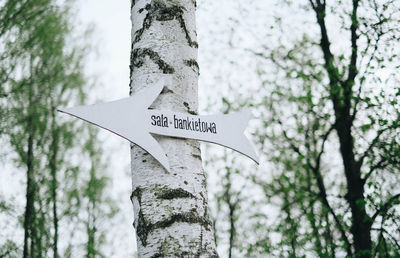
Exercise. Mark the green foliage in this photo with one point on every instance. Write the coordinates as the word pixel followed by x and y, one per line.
pixel 98 205
pixel 42 69
pixel 328 123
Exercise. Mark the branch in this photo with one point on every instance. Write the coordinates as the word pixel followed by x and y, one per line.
pixel 373 143
pixel 379 238
pixel 324 139
pixel 238 199
pixel 367 33
pixel 380 164
pixel 321 186
pixel 354 48
pixel 394 241
pixel 325 201
pixel 352 68
pixel 322 192
pixel 9 251
pixel 334 80
pixel 319 9
pixel 385 207
pixel 294 147
pixel 314 7
pixel 368 65
pixel 280 65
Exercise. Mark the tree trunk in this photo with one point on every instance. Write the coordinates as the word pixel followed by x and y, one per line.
pixel 360 227
pixel 171 211
pixel 29 215
pixel 29 209
pixel 54 183
pixel 341 94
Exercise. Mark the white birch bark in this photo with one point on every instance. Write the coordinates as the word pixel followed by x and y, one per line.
pixel 171 212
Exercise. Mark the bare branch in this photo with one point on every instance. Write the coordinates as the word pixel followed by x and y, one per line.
pixel 379 165
pixel 321 186
pixel 323 196
pixel 334 79
pixel 368 65
pixel 290 140
pixel 282 66
pixel 324 139
pixel 324 43
pixel 379 238
pixel 370 147
pixel 384 208
pixel 393 240
pixel 313 5
pixel 354 47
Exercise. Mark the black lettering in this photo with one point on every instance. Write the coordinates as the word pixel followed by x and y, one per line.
pixel 175 122
pixel 165 121
pixel 180 123
pixel 184 122
pixel 190 126
pixel 213 128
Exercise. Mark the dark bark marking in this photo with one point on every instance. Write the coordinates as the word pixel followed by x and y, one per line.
pixel 141 225
pixel 189 110
pixel 192 63
pixel 169 194
pixel 158 11
pixel 144 228
pixel 138 55
pixel 187 217
pixel 197 156
pixel 205 204
pixel 200 250
pixel 138 194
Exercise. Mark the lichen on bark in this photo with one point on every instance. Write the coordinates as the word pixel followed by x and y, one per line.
pixel 158 10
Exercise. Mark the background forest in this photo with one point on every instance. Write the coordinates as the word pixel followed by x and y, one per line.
pixel 320 76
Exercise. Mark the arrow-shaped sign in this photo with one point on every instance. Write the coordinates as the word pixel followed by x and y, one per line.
pixel 131 119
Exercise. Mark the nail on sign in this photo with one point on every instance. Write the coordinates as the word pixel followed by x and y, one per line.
pixel 131 119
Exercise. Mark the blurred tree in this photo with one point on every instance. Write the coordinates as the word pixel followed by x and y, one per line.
pixel 331 118
pixel 328 120
pixel 8 248
pixel 229 194
pixel 99 206
pixel 40 71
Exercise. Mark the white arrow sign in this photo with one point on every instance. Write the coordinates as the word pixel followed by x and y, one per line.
pixel 131 119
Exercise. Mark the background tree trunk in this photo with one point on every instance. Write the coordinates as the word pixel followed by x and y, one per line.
pixel 171 213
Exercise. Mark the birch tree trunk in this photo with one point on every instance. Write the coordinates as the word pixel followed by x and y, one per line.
pixel 171 212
